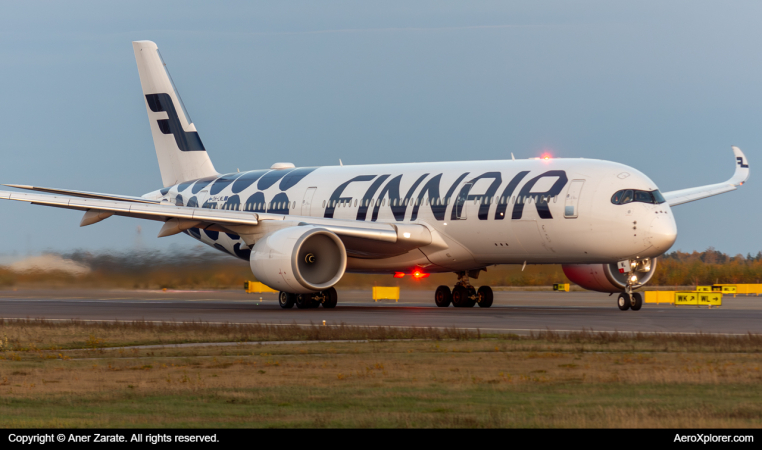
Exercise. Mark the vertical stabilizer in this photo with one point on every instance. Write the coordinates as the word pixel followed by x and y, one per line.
pixel 182 156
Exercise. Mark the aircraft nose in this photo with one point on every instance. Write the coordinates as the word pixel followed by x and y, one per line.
pixel 663 232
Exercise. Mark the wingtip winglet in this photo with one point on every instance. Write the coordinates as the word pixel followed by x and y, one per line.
pixel 742 168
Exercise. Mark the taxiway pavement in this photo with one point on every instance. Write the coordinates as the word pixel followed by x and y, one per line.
pixel 513 311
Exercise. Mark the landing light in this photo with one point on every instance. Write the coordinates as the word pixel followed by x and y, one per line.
pixel 633 278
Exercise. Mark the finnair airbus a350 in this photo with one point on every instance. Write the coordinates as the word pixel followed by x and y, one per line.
pixel 302 228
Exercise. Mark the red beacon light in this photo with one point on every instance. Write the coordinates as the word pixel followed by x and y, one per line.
pixel 418 275
pixel 398 274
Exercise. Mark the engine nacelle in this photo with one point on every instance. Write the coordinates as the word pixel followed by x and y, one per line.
pixel 299 260
pixel 606 277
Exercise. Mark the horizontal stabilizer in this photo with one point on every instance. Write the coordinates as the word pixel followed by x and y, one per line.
pixel 739 177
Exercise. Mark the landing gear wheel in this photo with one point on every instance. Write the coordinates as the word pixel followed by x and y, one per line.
pixel 331 298
pixel 624 301
pixel 636 301
pixel 286 300
pixel 459 296
pixel 471 297
pixel 304 301
pixel 443 297
pixel 485 296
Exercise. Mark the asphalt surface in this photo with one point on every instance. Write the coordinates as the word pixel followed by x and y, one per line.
pixel 513 311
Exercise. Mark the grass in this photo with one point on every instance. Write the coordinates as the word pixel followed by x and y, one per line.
pixel 64 374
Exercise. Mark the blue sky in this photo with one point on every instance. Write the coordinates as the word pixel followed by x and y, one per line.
pixel 666 87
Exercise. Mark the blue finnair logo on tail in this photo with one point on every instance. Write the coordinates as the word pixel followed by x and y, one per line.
pixel 186 141
pixel 740 162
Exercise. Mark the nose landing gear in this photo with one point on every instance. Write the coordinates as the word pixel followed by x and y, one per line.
pixel 628 299
pixel 623 301
pixel 463 295
pixel 636 301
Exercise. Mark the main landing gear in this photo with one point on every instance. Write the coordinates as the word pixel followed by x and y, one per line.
pixel 328 298
pixel 463 295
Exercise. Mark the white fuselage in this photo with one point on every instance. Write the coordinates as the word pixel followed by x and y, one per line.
pixel 486 212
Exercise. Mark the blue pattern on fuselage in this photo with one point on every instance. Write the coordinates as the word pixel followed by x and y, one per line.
pixel 223 182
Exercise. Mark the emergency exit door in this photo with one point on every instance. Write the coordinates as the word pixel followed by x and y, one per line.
pixel 571 206
pixel 307 201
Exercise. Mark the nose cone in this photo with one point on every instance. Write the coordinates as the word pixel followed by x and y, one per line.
pixel 663 232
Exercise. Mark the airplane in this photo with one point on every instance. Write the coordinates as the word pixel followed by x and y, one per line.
pixel 302 228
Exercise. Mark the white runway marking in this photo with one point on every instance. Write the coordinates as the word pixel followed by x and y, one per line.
pixel 514 330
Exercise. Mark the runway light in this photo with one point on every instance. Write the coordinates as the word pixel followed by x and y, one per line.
pixel 418 275
pixel 398 274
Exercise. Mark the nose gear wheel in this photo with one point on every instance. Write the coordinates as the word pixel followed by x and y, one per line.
pixel 624 301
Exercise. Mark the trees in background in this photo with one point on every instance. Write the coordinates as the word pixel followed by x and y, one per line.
pixel 708 267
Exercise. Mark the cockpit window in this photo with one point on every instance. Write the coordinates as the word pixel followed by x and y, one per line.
pixel 631 195
pixel 644 197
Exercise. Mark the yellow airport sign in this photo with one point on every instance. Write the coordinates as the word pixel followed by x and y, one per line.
pixel 256 287
pixel 561 287
pixel 704 288
pixel 725 288
pixel 386 293
pixel 748 289
pixel 710 299
pixel 660 297
pixel 686 298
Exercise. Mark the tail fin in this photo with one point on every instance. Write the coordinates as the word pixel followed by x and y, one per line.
pixel 182 156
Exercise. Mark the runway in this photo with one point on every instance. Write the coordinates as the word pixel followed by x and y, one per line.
pixel 513 311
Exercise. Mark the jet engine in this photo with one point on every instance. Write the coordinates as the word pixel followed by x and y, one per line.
pixel 299 260
pixel 607 278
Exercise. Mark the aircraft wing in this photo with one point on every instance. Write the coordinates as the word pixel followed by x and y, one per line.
pixel 697 193
pixel 368 239
pixel 83 194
